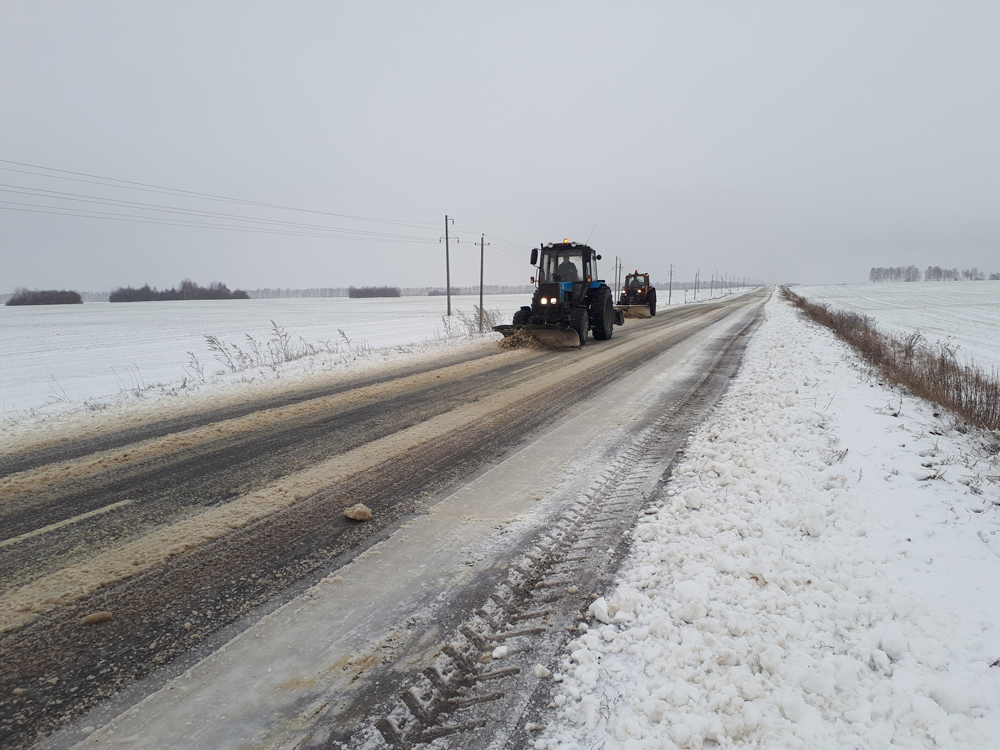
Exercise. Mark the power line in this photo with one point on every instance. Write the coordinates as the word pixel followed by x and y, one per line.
pixel 148 187
pixel 109 216
pixel 161 208
pixel 502 249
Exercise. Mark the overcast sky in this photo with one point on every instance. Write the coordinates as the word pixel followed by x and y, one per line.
pixel 789 141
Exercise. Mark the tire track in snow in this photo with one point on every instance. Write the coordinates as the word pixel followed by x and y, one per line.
pixel 486 681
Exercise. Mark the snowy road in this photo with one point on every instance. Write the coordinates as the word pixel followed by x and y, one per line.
pixel 189 531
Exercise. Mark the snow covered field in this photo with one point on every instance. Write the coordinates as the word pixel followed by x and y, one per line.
pixel 68 358
pixel 967 313
pixel 59 356
pixel 823 572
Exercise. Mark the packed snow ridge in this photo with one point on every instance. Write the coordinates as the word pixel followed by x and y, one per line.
pixel 822 574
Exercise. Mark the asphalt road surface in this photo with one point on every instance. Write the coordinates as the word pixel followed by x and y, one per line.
pixel 132 558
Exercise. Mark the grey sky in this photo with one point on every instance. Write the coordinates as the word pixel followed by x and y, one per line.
pixel 787 141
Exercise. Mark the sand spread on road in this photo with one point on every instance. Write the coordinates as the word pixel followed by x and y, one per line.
pixel 73 470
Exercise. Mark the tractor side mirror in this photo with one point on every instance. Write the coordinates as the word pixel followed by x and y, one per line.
pixel 534 257
pixel 597 257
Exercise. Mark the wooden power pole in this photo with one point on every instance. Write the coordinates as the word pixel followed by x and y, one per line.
pixel 447 264
pixel 482 255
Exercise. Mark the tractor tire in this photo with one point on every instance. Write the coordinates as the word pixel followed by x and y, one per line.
pixel 521 316
pixel 579 321
pixel 651 299
pixel 603 314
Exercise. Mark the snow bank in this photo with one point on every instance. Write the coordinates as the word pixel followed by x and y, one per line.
pixel 816 578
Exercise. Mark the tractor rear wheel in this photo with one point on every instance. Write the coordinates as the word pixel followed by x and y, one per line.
pixel 651 298
pixel 604 316
pixel 579 321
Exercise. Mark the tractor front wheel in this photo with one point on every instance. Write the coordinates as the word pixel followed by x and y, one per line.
pixel 521 316
pixel 579 321
pixel 651 298
pixel 604 316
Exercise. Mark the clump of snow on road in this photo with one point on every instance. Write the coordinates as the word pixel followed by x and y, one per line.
pixel 819 575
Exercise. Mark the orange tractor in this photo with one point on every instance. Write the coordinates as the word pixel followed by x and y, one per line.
pixel 637 298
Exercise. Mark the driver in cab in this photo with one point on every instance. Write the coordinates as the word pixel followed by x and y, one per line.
pixel 567 271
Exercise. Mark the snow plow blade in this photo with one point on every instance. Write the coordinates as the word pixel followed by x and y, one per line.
pixel 552 337
pixel 634 311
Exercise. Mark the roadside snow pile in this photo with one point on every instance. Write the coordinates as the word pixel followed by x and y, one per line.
pixel 816 578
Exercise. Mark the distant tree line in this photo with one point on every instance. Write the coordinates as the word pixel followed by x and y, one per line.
pixel 933 273
pixel 145 293
pixel 279 293
pixel 44 297
pixel 406 291
pixel 467 290
pixel 894 273
pixel 188 290
pixel 355 292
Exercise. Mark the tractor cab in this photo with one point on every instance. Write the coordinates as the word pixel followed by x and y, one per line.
pixel 638 297
pixel 636 285
pixel 566 273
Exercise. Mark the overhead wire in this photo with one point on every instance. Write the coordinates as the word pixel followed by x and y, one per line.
pixel 499 248
pixel 161 208
pixel 149 187
pixel 110 216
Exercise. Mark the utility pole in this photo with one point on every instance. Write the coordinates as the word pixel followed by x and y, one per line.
pixel 447 262
pixel 670 284
pixel 696 275
pixel 482 255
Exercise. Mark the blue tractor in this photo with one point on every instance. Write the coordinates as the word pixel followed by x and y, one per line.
pixel 569 300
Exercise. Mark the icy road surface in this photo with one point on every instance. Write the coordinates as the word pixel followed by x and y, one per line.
pixel 962 313
pixel 135 550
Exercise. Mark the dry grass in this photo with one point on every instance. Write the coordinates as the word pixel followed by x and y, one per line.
pixel 277 350
pixel 462 324
pixel 930 372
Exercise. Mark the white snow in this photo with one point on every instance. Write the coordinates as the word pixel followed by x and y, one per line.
pixel 965 313
pixel 59 357
pixel 823 574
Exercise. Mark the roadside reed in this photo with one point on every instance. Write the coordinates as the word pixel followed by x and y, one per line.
pixel 930 371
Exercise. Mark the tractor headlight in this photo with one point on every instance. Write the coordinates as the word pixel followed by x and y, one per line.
pixel 553 300
pixel 543 301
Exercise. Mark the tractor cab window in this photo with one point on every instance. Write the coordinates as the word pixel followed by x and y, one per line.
pixel 636 282
pixel 562 264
